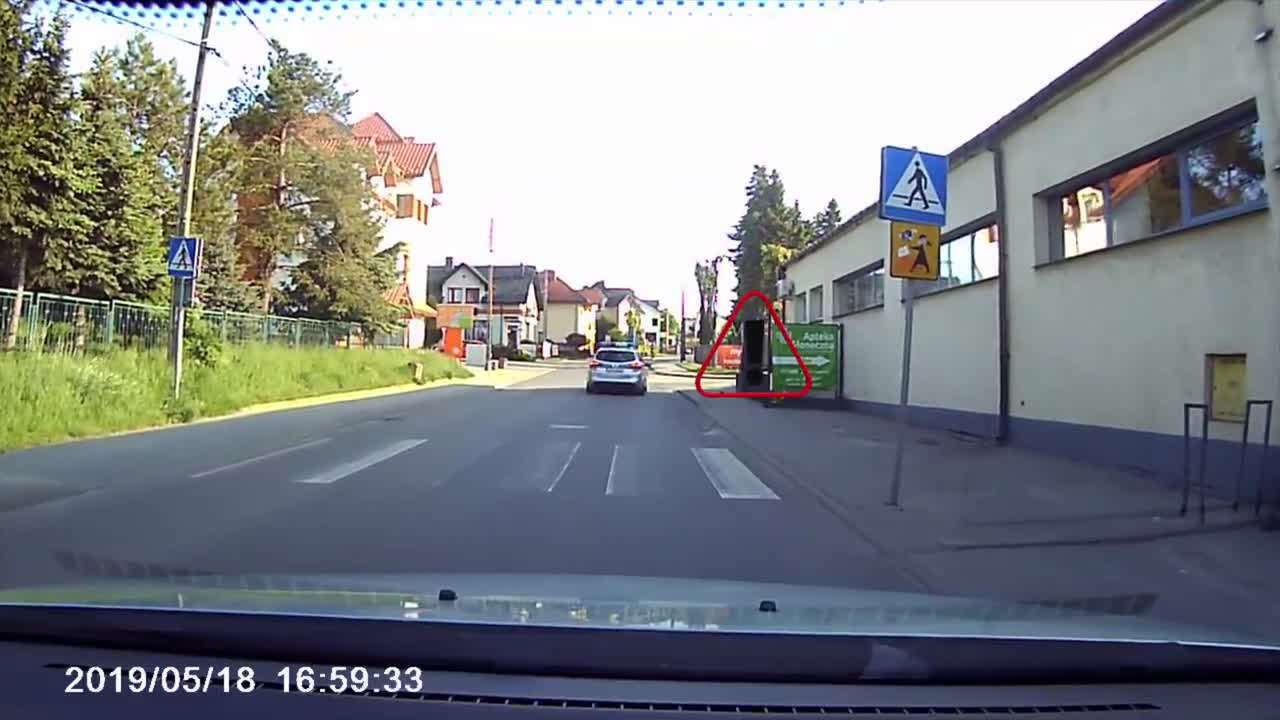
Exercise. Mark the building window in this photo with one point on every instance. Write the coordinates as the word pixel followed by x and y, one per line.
pixel 1212 177
pixel 404 205
pixel 815 304
pixel 479 331
pixel 860 290
pixel 965 258
pixel 799 308
pixel 473 295
pixel 1226 172
pixel 454 295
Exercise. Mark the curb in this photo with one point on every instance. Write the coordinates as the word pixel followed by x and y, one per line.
pixel 1115 539
pixel 476 380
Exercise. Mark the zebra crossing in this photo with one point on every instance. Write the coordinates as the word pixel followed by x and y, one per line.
pixel 632 470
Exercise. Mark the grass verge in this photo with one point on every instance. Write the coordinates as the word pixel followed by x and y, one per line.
pixel 49 397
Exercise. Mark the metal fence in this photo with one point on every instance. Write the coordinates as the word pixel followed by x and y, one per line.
pixel 67 323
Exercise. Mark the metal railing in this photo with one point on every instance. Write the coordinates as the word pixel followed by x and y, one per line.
pixel 1204 441
pixel 66 323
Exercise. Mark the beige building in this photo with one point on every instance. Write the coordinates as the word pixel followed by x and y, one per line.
pixel 568 311
pixel 1110 255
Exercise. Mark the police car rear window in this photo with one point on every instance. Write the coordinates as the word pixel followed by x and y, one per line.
pixel 615 356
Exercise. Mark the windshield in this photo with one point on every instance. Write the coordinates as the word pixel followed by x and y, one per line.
pixel 926 316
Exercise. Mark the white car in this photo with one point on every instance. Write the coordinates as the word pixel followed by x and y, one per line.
pixel 617 368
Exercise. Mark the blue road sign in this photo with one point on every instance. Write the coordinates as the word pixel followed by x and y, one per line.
pixel 913 186
pixel 184 257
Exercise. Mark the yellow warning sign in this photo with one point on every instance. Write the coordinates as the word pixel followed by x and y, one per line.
pixel 914 250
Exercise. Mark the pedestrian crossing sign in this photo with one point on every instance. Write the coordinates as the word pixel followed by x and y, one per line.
pixel 913 186
pixel 184 257
pixel 914 251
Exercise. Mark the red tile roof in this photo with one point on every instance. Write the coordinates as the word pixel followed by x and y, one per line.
pixel 558 291
pixel 594 295
pixel 376 127
pixel 412 158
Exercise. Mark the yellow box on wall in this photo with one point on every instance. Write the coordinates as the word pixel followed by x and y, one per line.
pixel 1228 389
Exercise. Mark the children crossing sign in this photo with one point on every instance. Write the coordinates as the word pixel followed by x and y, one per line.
pixel 913 186
pixel 914 251
pixel 184 257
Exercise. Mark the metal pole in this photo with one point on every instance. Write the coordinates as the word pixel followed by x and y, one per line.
pixel 1002 295
pixel 683 330
pixel 1204 454
pixel 908 289
pixel 1262 464
pixel 1186 456
pixel 180 291
pixel 491 323
pixel 1244 451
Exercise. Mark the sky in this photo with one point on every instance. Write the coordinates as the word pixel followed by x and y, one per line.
pixel 614 142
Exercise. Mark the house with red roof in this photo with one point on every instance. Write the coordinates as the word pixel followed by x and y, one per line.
pixel 568 311
pixel 406 180
pixel 404 185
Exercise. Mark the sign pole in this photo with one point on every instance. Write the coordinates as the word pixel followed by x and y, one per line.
pixel 913 198
pixel 184 288
pixel 908 288
pixel 492 326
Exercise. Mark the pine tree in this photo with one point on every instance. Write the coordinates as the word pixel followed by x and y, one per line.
pixel 289 130
pixel 213 218
pixel 826 221
pixel 15 50
pixel 49 224
pixel 748 237
pixel 155 102
pixel 343 277
pixel 121 258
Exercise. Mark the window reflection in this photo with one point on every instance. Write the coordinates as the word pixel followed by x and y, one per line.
pixel 1144 201
pixel 1222 173
pixel 815 304
pixel 860 290
pixel 1227 171
pixel 1084 227
pixel 966 259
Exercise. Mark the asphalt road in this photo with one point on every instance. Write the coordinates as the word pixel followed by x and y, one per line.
pixel 535 478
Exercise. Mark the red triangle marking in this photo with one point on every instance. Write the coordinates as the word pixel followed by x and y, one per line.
pixel 777 321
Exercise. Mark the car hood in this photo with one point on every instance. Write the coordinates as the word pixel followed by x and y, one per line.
pixel 670 604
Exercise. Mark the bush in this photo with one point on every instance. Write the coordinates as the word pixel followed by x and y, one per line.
pixel 575 340
pixel 520 356
pixel 201 344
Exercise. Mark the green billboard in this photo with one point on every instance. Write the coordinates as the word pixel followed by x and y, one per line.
pixel 819 347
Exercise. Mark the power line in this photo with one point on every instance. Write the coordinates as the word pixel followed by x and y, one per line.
pixel 253 24
pixel 134 23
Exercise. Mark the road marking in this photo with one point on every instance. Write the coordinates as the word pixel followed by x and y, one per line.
pixel 565 467
pixel 335 474
pixel 613 464
pixel 731 478
pixel 568 427
pixel 260 458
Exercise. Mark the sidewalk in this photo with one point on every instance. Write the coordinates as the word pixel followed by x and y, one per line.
pixel 971 494
pixel 978 520
pixel 674 368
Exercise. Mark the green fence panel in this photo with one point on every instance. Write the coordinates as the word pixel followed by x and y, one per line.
pixel 73 324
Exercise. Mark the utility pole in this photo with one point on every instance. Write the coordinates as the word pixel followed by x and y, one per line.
pixel 184 288
pixel 492 325
pixel 683 330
